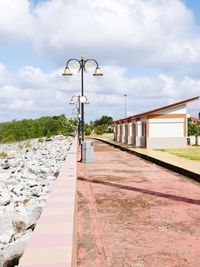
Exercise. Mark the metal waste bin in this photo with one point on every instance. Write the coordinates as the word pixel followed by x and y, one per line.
pixel 87 151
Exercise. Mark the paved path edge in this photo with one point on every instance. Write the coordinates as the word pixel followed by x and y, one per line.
pixel 54 240
pixel 169 166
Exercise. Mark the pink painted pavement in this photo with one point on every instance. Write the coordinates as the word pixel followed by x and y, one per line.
pixel 53 242
pixel 133 213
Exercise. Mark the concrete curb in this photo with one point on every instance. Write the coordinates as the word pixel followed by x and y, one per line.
pixel 53 242
pixel 169 166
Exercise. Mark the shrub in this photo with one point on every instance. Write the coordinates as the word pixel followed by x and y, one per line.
pixel 40 140
pixel 29 128
pixel 193 128
pixel 27 145
pixel 3 154
pixel 100 129
pixel 88 131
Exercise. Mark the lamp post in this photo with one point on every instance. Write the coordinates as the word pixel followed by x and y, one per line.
pixel 76 100
pixel 125 105
pixel 82 68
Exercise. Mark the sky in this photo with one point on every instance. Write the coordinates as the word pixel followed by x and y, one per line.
pixel 148 50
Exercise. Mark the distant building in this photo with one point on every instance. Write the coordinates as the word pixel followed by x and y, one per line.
pixel 195 120
pixel 164 127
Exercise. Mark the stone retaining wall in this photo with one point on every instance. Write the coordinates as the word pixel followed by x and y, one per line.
pixel 53 242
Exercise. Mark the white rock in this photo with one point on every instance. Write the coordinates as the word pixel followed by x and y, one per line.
pixel 6 226
pixel 5 198
pixel 24 188
pixel 6 237
pixel 17 189
pixel 13 251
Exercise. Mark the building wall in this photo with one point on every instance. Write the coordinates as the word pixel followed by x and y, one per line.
pixel 176 110
pixel 166 127
pixel 166 142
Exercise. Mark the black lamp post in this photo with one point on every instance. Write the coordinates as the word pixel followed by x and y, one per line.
pixel 125 105
pixel 82 68
pixel 76 100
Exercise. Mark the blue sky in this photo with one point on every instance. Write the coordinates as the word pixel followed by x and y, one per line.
pixel 149 50
pixel 194 5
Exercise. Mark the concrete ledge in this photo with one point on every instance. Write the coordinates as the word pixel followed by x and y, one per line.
pixel 53 242
pixel 177 169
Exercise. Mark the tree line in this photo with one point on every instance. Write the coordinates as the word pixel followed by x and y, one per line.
pixel 100 126
pixel 19 130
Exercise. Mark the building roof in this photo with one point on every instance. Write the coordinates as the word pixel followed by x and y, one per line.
pixel 144 114
pixel 194 119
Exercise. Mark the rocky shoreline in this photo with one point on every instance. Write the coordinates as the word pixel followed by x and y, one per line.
pixel 27 174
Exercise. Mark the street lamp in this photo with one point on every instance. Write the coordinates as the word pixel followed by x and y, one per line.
pixel 77 100
pixel 125 105
pixel 82 68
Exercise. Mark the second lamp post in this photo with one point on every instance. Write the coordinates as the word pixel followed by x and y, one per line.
pixel 77 100
pixel 82 68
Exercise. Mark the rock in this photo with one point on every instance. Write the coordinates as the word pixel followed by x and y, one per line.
pixel 20 224
pixel 6 237
pixel 18 189
pixel 33 169
pixel 56 173
pixel 12 252
pixel 11 154
pixel 6 226
pixel 25 181
pixel 26 215
pixel 6 166
pixel 5 198
pixel 32 183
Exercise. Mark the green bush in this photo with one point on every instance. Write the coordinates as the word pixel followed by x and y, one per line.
pixel 10 138
pixel 70 127
pixel 3 154
pixel 44 126
pixel 100 129
pixel 40 140
pixel 27 145
pixel 193 128
pixel 88 130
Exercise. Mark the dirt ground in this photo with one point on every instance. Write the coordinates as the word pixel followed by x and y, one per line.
pixel 132 213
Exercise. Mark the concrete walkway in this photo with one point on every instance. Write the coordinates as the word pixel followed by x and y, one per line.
pixel 131 212
pixel 188 167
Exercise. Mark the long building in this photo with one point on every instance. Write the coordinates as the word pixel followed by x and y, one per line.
pixel 164 127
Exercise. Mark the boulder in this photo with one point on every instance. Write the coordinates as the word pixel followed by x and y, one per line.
pixel 5 198
pixel 6 226
pixel 13 251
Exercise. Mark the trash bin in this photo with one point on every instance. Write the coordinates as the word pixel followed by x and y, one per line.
pixel 87 151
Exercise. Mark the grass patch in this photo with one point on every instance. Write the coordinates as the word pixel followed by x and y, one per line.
pixel 3 154
pixel 192 153
pixel 107 136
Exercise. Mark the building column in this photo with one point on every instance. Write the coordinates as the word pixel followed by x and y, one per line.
pixel 147 132
pixel 118 133
pixel 130 133
pixel 137 133
pixel 115 133
pixel 123 133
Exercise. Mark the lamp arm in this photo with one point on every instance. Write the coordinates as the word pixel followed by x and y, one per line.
pixel 72 59
pixel 91 59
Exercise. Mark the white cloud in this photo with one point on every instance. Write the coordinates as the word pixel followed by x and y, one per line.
pixel 129 31
pixel 16 21
pixel 34 93
pixel 119 34
pixel 125 32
